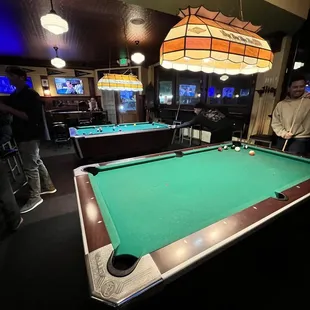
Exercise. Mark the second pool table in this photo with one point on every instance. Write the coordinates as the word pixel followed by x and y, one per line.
pixel 147 219
pixel 120 141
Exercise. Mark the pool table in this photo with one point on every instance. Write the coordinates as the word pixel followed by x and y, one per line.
pixel 119 141
pixel 147 220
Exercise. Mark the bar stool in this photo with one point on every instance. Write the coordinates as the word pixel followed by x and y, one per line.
pixel 14 167
pixel 179 135
pixel 191 134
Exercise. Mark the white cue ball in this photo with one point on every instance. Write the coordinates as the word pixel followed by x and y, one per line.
pixel 237 149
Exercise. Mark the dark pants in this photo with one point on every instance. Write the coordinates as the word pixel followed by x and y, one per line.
pixel 295 146
pixel 8 205
pixel 35 170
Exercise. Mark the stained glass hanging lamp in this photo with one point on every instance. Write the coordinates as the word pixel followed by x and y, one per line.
pixel 211 42
pixel 119 82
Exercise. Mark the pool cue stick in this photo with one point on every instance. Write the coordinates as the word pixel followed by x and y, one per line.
pixel 176 118
pixel 285 144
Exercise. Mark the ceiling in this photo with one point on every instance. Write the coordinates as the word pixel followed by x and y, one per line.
pixel 96 31
pixel 96 36
pixel 259 12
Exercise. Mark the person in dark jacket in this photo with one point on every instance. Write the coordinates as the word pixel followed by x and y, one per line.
pixel 209 119
pixel 8 205
pixel 28 128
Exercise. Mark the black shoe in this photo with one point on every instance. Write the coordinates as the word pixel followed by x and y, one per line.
pixel 18 225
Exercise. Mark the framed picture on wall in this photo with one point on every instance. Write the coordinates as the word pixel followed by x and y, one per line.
pixel 44 82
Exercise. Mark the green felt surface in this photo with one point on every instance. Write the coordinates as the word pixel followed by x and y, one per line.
pixel 156 202
pixel 108 129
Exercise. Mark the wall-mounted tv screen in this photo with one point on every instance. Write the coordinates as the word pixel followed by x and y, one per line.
pixel 228 92
pixel 69 86
pixel 244 92
pixel 211 91
pixel 186 90
pixel 7 88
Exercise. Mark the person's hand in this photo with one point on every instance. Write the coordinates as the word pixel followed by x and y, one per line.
pixel 3 107
pixel 173 126
pixel 307 95
pixel 288 136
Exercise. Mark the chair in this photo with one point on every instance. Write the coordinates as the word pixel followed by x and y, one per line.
pixel 61 134
pixel 264 139
pixel 238 128
pixel 194 132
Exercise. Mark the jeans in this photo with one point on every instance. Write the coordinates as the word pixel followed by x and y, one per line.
pixel 295 146
pixel 8 205
pixel 36 173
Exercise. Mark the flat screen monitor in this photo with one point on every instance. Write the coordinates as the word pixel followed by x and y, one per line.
pixel 187 90
pixel 7 88
pixel 69 86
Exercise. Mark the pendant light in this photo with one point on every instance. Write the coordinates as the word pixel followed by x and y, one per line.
pixel 57 62
pixel 53 22
pixel 137 58
pixel 210 42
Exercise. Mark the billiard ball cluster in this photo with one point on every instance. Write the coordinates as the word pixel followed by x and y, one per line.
pixel 236 148
pixel 99 129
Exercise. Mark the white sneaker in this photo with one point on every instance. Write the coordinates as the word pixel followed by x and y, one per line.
pixel 48 191
pixel 31 204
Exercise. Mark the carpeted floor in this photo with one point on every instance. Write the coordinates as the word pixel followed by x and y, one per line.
pixel 42 265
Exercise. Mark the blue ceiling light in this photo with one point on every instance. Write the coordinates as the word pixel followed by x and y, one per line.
pixel 11 41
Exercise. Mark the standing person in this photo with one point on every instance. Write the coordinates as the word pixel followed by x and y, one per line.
pixel 294 111
pixel 28 128
pixel 92 104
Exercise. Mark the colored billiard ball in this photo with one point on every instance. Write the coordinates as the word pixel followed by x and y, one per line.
pixel 237 149
pixel 233 146
pixel 90 133
pixel 225 147
pixel 84 133
pixel 252 153
pixel 220 149
pixel 120 130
